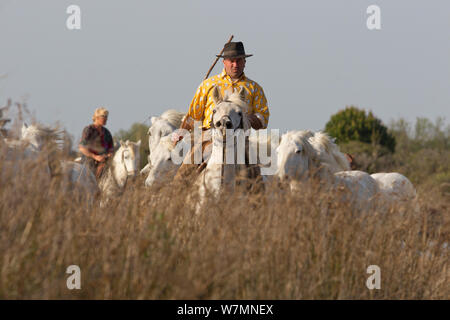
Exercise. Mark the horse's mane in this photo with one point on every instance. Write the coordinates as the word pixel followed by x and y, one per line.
pixel 322 139
pixel 327 143
pixel 236 99
pixel 174 117
pixel 42 129
pixel 302 138
pixel 48 134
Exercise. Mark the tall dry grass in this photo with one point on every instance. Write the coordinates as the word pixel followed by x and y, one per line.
pixel 149 244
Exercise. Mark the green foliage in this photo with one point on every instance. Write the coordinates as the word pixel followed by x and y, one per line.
pixel 353 124
pixel 138 131
pixel 422 153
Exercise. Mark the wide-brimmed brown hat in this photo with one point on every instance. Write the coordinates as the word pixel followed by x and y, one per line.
pixel 233 50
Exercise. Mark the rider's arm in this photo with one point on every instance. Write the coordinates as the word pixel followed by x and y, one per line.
pixel 89 154
pixel 255 121
pixel 85 151
pixel 260 108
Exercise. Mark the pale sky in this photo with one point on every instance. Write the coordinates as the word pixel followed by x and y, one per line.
pixel 139 58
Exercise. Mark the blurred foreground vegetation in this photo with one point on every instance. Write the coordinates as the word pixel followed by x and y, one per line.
pixel 276 244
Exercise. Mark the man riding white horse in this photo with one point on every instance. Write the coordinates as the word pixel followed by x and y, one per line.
pixel 201 108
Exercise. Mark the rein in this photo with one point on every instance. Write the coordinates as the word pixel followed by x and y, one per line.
pixel 222 173
pixel 110 169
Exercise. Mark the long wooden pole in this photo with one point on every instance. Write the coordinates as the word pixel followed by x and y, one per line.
pixel 217 59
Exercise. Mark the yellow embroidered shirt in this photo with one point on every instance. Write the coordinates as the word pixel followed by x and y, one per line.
pixel 202 104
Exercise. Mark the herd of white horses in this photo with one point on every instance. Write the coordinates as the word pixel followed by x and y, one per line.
pixel 298 156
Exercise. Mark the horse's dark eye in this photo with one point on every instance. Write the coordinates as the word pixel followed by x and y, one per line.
pixel 214 110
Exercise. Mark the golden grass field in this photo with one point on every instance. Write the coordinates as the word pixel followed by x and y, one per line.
pixel 149 244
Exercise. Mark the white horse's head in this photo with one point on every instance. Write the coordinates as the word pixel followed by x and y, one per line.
pixel 126 160
pixel 294 155
pixel 162 167
pixel 229 117
pixel 33 135
pixel 38 135
pixel 124 165
pixel 162 126
pixel 230 112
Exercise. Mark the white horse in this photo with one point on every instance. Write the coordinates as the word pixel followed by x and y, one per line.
pixel 79 176
pixel 31 143
pixel 161 126
pixel 295 155
pixel 17 156
pixel 32 138
pixel 392 186
pixel 298 160
pixel 35 136
pixel 161 166
pixel 229 114
pixel 123 166
pixel 395 186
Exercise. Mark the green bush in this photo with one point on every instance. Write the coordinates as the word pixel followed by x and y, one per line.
pixel 353 124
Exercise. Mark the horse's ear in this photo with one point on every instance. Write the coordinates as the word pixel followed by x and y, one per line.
pixel 24 125
pixel 216 96
pixel 121 143
pixel 154 119
pixel 242 94
pixel 138 144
